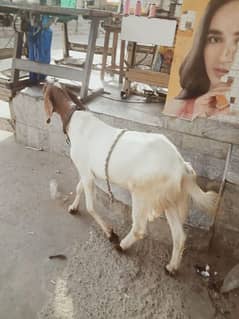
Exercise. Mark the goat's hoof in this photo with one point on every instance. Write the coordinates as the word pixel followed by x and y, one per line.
pixel 170 272
pixel 114 238
pixel 72 211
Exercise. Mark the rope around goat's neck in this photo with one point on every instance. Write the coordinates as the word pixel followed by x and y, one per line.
pixel 111 196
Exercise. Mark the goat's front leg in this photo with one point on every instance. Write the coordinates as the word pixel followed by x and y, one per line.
pixel 139 219
pixel 89 191
pixel 73 208
pixel 178 236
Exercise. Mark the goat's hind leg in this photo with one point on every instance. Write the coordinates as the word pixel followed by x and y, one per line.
pixel 73 208
pixel 178 236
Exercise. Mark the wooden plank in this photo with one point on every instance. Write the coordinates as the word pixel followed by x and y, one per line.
pixel 20 84
pixel 74 74
pixel 114 70
pixel 5 82
pixel 140 48
pixel 54 10
pixel 6 53
pixel 80 47
pixel 147 76
pixel 4 98
pixel 6 92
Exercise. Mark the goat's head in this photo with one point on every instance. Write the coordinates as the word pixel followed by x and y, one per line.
pixel 57 99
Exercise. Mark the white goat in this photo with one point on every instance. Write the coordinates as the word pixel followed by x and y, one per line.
pixel 146 164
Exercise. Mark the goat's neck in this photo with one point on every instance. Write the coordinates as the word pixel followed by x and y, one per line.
pixel 65 110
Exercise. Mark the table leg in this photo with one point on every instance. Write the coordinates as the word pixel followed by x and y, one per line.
pixel 89 56
pixel 122 51
pixel 130 64
pixel 65 41
pixel 114 50
pixel 105 54
pixel 17 53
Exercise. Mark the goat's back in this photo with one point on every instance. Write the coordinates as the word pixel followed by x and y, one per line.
pixel 142 159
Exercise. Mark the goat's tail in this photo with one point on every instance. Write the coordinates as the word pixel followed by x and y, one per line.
pixel 205 201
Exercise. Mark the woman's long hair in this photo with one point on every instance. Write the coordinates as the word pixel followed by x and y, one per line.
pixel 193 76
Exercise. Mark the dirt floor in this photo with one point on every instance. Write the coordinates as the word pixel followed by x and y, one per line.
pixel 32 227
pixel 99 283
pixel 94 281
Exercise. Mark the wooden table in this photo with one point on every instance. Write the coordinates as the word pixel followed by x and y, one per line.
pixel 113 68
pixel 70 73
pixel 147 31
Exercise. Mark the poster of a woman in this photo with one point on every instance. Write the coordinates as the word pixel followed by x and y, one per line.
pixel 208 62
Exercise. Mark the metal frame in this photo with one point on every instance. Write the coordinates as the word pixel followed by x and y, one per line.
pixel 65 72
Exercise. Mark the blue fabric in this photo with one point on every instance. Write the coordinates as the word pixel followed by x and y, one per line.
pixel 39 46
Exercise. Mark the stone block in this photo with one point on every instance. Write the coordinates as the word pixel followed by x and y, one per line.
pixel 31 127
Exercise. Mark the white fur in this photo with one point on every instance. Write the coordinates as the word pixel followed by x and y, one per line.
pixel 146 164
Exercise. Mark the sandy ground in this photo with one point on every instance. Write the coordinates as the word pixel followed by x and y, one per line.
pixel 100 283
pixel 32 227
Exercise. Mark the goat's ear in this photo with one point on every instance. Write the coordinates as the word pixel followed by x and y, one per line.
pixel 75 99
pixel 48 105
pixel 44 88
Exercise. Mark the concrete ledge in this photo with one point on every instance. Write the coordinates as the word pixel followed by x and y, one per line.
pixel 31 127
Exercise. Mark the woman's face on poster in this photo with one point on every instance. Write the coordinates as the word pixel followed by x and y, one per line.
pixel 222 41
